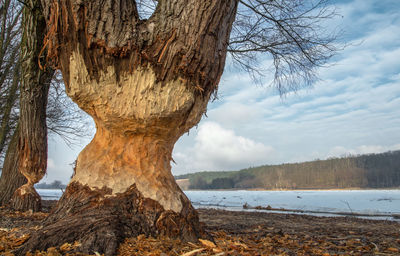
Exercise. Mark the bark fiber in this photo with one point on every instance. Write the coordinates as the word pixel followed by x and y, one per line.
pixel 32 144
pixel 182 39
pixel 5 127
pixel 101 223
pixel 145 83
pixel 11 179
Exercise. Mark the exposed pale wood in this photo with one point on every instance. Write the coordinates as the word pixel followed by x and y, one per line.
pixel 145 83
pixel 186 39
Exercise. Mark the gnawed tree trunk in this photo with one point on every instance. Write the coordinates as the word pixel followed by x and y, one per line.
pixel 11 179
pixel 32 144
pixel 145 83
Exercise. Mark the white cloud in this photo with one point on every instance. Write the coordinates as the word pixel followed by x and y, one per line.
pixel 232 112
pixel 217 148
pixel 50 163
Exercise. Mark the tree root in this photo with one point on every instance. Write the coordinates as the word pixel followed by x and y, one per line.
pixel 26 198
pixel 100 223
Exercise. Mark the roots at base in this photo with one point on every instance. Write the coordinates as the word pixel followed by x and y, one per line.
pixel 101 223
pixel 26 198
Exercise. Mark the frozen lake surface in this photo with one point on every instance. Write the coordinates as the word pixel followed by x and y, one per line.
pixel 382 203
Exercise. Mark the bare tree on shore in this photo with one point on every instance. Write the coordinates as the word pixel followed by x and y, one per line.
pixel 147 81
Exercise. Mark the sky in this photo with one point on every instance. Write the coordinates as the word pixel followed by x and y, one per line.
pixel 353 109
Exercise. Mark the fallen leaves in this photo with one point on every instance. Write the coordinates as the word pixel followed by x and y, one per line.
pixel 53 251
pixel 251 244
pixel 225 244
pixel 10 240
pixel 251 235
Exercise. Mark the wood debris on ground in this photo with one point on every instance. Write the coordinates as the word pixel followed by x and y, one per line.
pixel 235 233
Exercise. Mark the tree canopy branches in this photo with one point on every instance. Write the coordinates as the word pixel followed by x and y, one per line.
pixel 291 31
pixel 64 118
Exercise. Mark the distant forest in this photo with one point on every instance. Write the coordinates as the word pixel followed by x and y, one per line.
pixel 363 171
pixel 54 185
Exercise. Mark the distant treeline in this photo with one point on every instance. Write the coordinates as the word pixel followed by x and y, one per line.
pixel 363 171
pixel 54 185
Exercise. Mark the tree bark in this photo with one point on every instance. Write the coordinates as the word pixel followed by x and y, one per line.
pixel 32 144
pixel 9 68
pixel 10 102
pixel 145 83
pixel 11 179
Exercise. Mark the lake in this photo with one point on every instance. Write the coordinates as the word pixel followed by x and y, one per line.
pixel 379 204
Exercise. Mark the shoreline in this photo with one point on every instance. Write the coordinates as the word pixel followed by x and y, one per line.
pixel 48 204
pixel 307 202
pixel 300 189
pixel 276 189
pixel 373 216
pixel 241 233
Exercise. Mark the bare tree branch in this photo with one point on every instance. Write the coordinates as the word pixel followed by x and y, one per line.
pixel 64 118
pixel 291 32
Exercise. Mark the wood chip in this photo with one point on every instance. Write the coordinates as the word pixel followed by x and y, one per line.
pixel 207 243
pixel 219 254
pixel 66 247
pixel 193 252
pixel 241 245
pixel 392 249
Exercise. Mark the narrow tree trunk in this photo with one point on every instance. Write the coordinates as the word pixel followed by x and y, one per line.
pixel 10 102
pixel 32 145
pixel 145 83
pixel 11 178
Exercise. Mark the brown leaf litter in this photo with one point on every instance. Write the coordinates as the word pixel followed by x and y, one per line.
pixel 235 233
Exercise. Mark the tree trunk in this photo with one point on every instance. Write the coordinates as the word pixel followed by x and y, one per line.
pixel 32 145
pixel 6 127
pixel 145 83
pixel 11 178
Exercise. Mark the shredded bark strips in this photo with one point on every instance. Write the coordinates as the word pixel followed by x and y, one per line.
pixel 172 40
pixel 145 83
